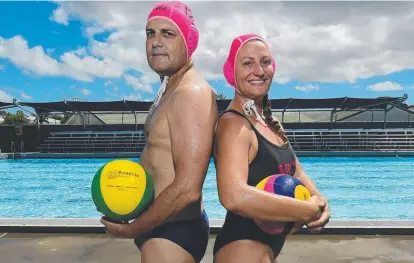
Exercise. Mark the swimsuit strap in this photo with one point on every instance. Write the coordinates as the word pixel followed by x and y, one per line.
pixel 241 115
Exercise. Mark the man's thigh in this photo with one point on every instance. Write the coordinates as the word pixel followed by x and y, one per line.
pixel 159 250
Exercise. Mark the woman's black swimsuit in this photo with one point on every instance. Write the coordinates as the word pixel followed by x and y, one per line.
pixel 270 159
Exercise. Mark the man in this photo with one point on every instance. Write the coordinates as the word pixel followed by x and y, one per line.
pixel 179 131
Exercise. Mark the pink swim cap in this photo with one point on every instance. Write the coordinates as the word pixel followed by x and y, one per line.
pixel 181 16
pixel 229 69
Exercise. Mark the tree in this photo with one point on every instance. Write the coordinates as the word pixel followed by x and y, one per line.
pixel 220 96
pixel 13 119
pixel 65 118
pixel 8 119
pixel 43 117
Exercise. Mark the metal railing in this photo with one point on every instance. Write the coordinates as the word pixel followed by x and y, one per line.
pixel 12 147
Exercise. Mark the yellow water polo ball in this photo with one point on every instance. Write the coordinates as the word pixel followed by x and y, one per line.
pixel 122 190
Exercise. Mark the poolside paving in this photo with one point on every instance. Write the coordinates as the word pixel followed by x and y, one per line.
pixel 94 248
pixel 67 240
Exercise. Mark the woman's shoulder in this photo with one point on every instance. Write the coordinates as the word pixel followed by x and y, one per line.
pixel 233 119
pixel 232 124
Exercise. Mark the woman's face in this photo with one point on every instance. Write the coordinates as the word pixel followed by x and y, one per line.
pixel 254 72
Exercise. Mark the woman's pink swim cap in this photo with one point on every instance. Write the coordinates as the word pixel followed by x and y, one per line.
pixel 229 68
pixel 181 16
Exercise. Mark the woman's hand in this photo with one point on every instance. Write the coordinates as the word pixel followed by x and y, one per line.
pixel 319 223
pixel 315 204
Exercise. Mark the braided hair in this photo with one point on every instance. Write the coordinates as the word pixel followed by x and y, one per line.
pixel 275 123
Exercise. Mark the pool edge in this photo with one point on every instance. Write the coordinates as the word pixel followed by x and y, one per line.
pixel 93 226
pixel 38 155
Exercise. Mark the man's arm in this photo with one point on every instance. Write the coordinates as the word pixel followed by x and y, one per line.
pixel 191 118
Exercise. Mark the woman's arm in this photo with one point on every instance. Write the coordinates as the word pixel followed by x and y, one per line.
pixel 233 141
pixel 301 176
pixel 321 221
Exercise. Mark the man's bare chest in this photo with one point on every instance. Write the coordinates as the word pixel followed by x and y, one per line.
pixel 156 127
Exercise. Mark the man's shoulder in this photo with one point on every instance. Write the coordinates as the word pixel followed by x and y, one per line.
pixel 194 89
pixel 194 98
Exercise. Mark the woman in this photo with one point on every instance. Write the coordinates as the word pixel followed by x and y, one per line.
pixel 249 146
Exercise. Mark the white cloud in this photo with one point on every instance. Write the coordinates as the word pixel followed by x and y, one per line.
pixel 385 86
pixel 133 96
pixel 311 41
pixel 72 64
pixel 59 16
pixel 110 93
pixel 93 30
pixel 308 88
pixel 4 97
pixel 32 59
pixel 90 66
pixel 80 51
pixel 25 96
pixel 84 91
pixel 2 67
pixel 137 83
pixel 19 94
pixel 50 51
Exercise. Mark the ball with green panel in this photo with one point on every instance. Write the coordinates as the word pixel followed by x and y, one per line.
pixel 122 190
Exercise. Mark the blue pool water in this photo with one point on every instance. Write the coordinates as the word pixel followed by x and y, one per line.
pixel 358 188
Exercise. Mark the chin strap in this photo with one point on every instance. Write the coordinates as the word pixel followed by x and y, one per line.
pixel 164 83
pixel 249 107
pixel 160 93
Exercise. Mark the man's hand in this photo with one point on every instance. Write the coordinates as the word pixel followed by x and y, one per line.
pixel 122 230
pixel 317 225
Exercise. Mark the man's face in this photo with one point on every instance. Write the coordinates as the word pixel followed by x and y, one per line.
pixel 166 51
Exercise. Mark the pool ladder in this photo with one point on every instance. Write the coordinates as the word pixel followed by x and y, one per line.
pixel 12 147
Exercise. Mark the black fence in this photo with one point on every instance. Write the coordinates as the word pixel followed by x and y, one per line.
pixel 27 138
pixel 18 138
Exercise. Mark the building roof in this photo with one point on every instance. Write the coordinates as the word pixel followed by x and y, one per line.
pixel 343 103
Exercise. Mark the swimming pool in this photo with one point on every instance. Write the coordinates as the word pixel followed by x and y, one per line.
pixel 358 188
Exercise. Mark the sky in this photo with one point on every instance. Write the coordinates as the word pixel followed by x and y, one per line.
pixel 95 51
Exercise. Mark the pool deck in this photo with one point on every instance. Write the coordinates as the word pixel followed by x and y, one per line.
pixel 94 248
pixel 66 240
pixel 37 155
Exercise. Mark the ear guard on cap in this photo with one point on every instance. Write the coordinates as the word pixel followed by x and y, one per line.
pixel 192 40
pixel 229 74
